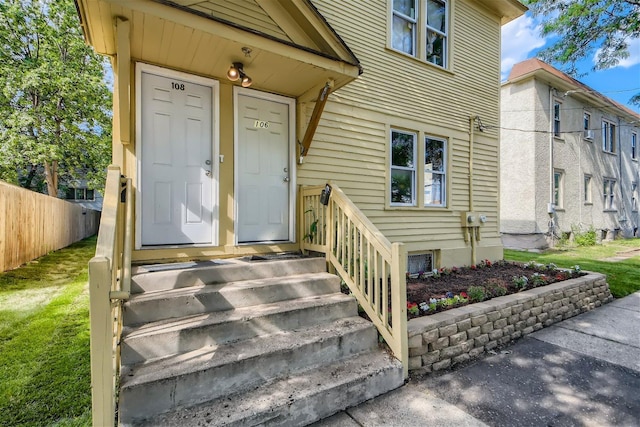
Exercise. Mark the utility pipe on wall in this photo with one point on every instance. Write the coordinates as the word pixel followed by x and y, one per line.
pixel 551 207
pixel 472 237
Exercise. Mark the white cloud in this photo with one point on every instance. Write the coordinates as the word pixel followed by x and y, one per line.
pixel 634 54
pixel 519 38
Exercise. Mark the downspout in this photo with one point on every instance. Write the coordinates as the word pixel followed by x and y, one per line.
pixel 470 230
pixel 551 207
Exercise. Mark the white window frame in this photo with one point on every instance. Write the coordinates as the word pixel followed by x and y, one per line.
pixel 558 189
pixel 609 191
pixel 410 21
pixel 413 169
pixel 588 189
pixel 587 120
pixel 634 146
pixel 443 173
pixel 608 136
pixel 420 30
pixel 557 106
pixel 634 197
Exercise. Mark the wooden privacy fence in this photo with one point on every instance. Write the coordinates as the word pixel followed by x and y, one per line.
pixel 373 268
pixel 34 224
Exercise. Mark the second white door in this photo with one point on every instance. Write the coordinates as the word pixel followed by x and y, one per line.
pixel 263 191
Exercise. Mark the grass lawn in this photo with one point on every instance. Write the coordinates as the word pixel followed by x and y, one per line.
pixel 45 375
pixel 623 276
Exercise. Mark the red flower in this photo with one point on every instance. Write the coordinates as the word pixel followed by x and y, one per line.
pixel 463 294
pixel 410 305
pixel 488 263
pixel 473 266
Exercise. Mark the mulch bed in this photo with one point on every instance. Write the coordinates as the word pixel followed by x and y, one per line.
pixel 448 284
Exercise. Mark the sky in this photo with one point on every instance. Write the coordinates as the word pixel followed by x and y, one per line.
pixel 521 40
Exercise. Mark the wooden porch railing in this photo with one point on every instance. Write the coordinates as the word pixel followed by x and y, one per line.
pixel 109 285
pixel 373 268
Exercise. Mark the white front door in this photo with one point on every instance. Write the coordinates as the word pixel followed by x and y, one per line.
pixel 175 159
pixel 263 167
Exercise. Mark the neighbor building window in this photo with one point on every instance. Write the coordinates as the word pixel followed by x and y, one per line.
pixel 435 162
pixel 634 196
pixel 609 194
pixel 79 194
pixel 587 188
pixel 634 145
pixel 608 136
pixel 420 28
pixel 587 121
pixel 403 168
pixel 556 118
pixel 558 182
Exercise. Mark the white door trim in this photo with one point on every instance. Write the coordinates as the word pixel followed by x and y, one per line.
pixel 292 155
pixel 215 149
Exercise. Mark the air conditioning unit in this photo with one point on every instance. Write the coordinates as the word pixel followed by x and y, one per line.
pixel 589 134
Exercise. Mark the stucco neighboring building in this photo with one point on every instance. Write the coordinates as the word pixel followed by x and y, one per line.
pixel 569 158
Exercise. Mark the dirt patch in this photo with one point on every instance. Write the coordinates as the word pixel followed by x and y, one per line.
pixel 451 288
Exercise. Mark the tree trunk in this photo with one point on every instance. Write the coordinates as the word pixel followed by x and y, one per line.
pixel 51 176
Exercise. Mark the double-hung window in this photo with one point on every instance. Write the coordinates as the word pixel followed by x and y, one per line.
pixel 404 22
pixel 609 194
pixel 403 168
pixel 420 28
pixel 587 189
pixel 634 196
pixel 435 161
pixel 556 118
pixel 587 121
pixel 608 136
pixel 634 146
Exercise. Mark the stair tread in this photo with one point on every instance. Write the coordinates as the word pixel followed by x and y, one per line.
pixel 283 391
pixel 212 356
pixel 238 314
pixel 225 286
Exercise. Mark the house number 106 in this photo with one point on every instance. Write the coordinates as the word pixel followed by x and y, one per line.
pixel 177 86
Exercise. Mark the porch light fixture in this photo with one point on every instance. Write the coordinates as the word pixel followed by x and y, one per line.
pixel 236 71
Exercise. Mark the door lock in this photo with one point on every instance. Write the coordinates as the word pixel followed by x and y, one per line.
pixel 286 179
pixel 208 173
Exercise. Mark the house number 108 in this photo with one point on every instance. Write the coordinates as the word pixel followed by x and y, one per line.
pixel 177 86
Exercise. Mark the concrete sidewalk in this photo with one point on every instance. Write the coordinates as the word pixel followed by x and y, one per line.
pixel 582 371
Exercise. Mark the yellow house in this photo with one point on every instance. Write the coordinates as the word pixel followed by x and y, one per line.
pixel 230 116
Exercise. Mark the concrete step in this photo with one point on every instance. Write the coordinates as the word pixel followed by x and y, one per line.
pixel 185 301
pixel 295 400
pixel 173 336
pixel 160 277
pixel 191 378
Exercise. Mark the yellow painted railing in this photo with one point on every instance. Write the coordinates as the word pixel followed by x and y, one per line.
pixel 109 285
pixel 373 268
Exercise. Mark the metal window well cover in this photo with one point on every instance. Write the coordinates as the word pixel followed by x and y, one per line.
pixel 420 263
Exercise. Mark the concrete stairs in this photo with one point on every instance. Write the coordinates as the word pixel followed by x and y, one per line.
pixel 242 343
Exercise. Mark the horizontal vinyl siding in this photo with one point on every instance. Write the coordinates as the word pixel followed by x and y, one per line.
pixel 351 144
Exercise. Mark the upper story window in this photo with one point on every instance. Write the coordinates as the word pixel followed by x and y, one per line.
pixel 403 168
pixel 556 118
pixel 608 136
pixel 634 145
pixel 587 121
pixel 420 28
pixel 435 162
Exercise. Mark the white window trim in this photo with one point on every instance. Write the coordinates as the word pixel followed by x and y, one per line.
pixel 588 190
pixel 634 197
pixel 420 33
pixel 608 136
pixel 560 189
pixel 443 190
pixel 634 146
pixel 609 197
pixel 414 169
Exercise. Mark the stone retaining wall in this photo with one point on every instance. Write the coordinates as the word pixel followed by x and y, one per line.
pixel 444 339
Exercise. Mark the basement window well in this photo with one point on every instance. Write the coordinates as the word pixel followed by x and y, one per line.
pixel 420 263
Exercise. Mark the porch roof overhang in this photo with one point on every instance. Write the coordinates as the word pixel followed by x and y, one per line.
pixel 507 10
pixel 295 59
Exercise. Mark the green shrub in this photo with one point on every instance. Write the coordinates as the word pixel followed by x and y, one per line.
pixel 495 287
pixel 584 238
pixel 476 293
